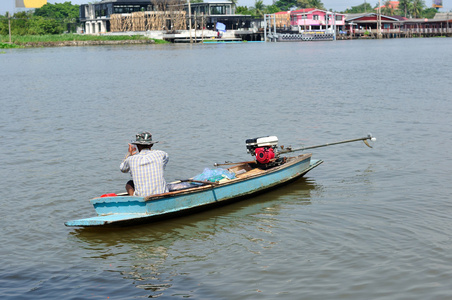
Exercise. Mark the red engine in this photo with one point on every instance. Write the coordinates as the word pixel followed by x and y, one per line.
pixel 263 148
pixel 264 155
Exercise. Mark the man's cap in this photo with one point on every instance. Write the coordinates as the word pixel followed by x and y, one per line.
pixel 144 138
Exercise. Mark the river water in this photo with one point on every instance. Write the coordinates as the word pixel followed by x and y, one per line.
pixel 366 224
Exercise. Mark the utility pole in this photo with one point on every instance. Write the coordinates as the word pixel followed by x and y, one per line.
pixel 202 29
pixel 379 19
pixel 9 27
pixel 189 21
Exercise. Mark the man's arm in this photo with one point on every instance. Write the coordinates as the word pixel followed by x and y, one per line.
pixel 165 160
pixel 124 167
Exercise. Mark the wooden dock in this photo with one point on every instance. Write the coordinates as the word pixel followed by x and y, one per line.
pixel 208 40
pixel 397 33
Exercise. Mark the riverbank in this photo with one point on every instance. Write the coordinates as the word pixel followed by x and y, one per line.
pixel 65 40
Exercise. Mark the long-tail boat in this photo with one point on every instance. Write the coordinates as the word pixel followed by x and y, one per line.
pixel 270 169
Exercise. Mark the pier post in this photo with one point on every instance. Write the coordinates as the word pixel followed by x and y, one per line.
pixel 189 21
pixel 379 20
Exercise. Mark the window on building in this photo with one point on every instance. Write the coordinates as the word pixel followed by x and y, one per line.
pixel 338 18
pixel 304 17
pixel 126 9
pixel 315 17
pixel 218 10
pixel 101 10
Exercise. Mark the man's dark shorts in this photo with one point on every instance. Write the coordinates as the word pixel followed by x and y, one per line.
pixel 130 182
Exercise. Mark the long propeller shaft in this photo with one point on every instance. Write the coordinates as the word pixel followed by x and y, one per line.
pixel 364 139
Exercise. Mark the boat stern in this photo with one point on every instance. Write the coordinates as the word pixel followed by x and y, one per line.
pixel 119 205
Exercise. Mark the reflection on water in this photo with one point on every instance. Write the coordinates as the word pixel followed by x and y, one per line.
pixel 141 252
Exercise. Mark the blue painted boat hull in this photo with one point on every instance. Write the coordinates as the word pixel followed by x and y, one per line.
pixel 131 210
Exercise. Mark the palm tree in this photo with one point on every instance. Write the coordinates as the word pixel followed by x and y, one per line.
pixel 317 4
pixel 259 8
pixel 417 8
pixel 404 6
pixel 303 4
pixel 388 9
pixel 310 4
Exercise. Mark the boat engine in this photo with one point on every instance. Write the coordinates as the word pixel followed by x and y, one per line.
pixel 263 148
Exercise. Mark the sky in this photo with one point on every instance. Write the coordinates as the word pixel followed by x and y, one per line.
pixel 336 5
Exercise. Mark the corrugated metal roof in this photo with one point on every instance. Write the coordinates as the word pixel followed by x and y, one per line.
pixel 310 11
pixel 303 10
pixel 443 16
pixel 356 17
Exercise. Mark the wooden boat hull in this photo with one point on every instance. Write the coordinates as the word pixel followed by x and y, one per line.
pixel 131 210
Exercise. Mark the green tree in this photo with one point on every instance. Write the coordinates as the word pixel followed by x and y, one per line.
pixel 388 9
pixel 362 8
pixel 317 4
pixel 259 8
pixel 271 9
pixel 42 26
pixel 286 5
pixel 310 4
pixel 20 23
pixel 429 13
pixel 242 10
pixel 417 8
pixel 404 7
pixel 303 4
pixel 27 23
pixel 59 11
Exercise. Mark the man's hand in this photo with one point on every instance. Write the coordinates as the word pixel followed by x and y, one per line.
pixel 132 149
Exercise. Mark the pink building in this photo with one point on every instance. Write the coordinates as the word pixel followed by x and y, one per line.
pixel 316 19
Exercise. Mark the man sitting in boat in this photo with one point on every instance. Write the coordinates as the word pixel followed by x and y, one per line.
pixel 146 167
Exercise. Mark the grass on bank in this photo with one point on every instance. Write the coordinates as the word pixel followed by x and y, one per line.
pixel 24 39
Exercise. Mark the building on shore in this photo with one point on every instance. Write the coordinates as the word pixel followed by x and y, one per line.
pixel 95 17
pixel 309 19
pixel 165 15
pixel 168 18
pixel 369 22
pixel 367 25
